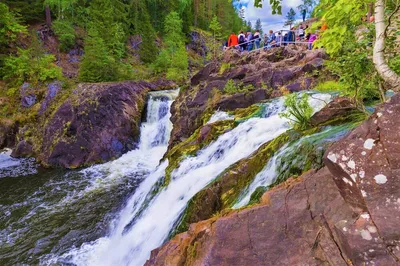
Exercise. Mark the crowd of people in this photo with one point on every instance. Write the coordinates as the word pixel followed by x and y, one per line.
pixel 248 41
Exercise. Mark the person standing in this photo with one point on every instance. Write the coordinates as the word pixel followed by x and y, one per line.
pixel 257 39
pixel 311 41
pixel 233 40
pixel 304 13
pixel 242 40
pixel 250 41
pixel 301 32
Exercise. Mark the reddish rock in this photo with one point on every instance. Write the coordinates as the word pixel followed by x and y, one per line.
pixel 337 108
pixel 366 167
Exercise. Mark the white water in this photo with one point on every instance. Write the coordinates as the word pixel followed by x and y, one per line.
pixel 145 222
pixel 6 160
pixel 220 116
pixel 264 178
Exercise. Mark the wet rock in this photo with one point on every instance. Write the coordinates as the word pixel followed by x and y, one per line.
pixel 338 108
pixel 8 131
pixel 96 124
pixel 23 149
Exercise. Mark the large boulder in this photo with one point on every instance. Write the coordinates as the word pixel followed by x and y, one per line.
pixel 97 123
pixel 365 166
pixel 336 109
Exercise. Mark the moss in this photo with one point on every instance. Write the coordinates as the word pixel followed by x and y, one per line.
pixel 223 192
pixel 243 114
pixel 224 67
pixel 193 144
pixel 257 194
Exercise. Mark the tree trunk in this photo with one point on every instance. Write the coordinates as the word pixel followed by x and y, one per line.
pixel 48 16
pixel 386 73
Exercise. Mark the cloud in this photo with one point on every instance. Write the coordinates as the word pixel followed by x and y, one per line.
pixel 269 21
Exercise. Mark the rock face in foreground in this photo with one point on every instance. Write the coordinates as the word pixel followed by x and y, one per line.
pixel 345 214
pixel 99 122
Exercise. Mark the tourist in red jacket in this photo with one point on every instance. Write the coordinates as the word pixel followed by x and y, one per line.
pixel 233 40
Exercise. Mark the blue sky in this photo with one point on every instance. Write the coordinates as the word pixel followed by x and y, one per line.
pixel 269 21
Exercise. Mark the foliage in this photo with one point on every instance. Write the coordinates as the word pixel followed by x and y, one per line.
pixel 356 71
pixel 9 26
pixel 231 87
pixel 66 34
pixel 298 111
pixel 331 86
pixel 30 10
pixel 173 59
pixel 342 18
pixel 31 66
pixel 216 29
pixel 142 26
pixel 98 63
pixel 290 17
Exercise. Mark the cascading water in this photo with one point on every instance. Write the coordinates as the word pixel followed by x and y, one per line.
pixel 288 156
pixel 146 221
pixel 43 213
pixel 88 218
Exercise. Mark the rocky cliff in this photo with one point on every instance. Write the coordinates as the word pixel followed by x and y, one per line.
pixel 346 213
pixel 96 123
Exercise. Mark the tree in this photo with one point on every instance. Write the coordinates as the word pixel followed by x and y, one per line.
pixel 259 26
pixel 173 59
pixel 387 74
pixel 290 18
pixel 142 26
pixel 216 29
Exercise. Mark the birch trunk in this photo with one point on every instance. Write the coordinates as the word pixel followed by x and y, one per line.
pixel 387 74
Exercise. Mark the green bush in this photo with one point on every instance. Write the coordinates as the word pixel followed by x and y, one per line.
pixel 298 111
pixel 66 34
pixel 231 87
pixel 30 66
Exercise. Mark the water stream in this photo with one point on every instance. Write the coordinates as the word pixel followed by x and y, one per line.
pixel 117 213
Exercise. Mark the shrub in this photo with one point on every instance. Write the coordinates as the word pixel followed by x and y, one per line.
pixel 66 34
pixel 298 111
pixel 31 66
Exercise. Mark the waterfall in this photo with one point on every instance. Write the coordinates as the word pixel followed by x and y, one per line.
pixel 279 163
pixel 146 221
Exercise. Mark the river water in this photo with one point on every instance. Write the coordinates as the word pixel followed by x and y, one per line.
pixel 117 212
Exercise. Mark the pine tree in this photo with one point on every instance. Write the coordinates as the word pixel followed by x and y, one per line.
pixel 97 64
pixel 142 26
pixel 216 29
pixel 290 18
pixel 174 58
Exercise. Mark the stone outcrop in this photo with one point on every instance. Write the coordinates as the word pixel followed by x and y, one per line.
pixel 97 123
pixel 8 129
pixel 347 213
pixel 339 108
pixel 261 75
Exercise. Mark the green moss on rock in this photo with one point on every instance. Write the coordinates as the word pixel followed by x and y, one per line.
pixel 226 188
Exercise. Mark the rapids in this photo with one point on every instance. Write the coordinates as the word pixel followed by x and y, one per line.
pixel 118 212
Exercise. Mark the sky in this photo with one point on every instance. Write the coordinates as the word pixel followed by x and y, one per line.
pixel 269 21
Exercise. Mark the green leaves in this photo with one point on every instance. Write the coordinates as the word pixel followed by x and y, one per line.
pixel 298 111
pixel 173 59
